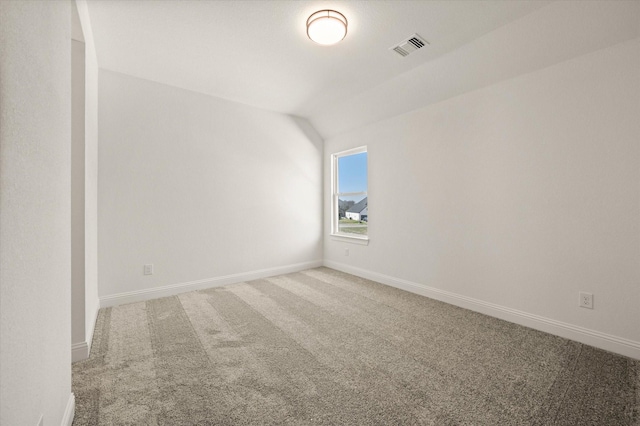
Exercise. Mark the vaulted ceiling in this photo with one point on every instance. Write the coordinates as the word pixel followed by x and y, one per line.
pixel 257 52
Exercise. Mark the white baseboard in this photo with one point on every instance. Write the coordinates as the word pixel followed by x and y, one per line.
pixel 94 318
pixel 598 339
pixel 173 289
pixel 70 411
pixel 79 351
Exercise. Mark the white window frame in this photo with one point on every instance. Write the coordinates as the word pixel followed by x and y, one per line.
pixel 335 196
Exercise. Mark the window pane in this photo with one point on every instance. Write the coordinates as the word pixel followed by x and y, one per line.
pixel 353 214
pixel 352 173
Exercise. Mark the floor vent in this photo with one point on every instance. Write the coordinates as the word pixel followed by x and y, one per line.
pixel 410 45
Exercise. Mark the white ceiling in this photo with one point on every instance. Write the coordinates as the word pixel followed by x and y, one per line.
pixel 257 52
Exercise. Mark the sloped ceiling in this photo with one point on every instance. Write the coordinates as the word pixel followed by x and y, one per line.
pixel 257 52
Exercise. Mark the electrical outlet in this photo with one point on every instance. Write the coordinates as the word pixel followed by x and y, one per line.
pixel 148 269
pixel 586 300
pixel 346 252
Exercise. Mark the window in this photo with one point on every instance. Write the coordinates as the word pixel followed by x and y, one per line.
pixel 349 205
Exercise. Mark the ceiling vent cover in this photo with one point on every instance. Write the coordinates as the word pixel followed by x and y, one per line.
pixel 410 45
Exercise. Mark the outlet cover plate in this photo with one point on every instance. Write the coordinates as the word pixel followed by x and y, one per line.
pixel 148 269
pixel 586 300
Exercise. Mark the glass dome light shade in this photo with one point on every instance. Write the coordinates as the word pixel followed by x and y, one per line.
pixel 326 27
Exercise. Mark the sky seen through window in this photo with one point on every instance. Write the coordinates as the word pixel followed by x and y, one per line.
pixel 352 173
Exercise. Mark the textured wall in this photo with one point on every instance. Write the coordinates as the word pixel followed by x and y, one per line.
pixel 91 173
pixel 85 302
pixel 35 138
pixel 520 194
pixel 200 187
pixel 78 317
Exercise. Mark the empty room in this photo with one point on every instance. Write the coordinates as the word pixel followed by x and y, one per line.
pixel 319 212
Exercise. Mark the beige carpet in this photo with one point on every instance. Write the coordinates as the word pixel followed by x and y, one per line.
pixel 324 347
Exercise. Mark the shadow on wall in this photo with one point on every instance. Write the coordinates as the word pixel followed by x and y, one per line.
pixel 309 131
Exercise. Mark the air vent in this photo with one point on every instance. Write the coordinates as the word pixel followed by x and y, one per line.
pixel 410 45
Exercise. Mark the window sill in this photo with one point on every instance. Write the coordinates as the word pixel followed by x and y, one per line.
pixel 350 239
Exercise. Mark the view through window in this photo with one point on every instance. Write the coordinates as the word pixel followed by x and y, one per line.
pixel 350 201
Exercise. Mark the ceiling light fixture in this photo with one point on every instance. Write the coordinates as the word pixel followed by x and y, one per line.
pixel 327 27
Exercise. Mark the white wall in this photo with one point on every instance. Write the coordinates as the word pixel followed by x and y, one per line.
pixel 78 332
pixel 200 187
pixel 35 138
pixel 85 301
pixel 514 197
